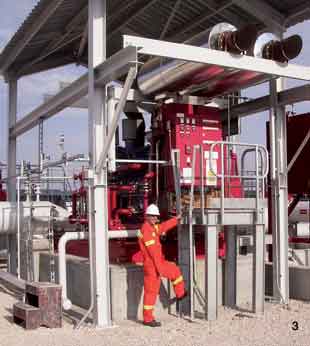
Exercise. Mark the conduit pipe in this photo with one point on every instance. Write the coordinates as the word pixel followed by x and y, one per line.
pixel 62 269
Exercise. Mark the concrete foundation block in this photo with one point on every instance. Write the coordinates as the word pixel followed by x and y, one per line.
pixel 126 287
pixel 299 282
pixel 27 316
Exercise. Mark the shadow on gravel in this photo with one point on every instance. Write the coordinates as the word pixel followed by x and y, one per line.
pixel 16 294
pixel 9 317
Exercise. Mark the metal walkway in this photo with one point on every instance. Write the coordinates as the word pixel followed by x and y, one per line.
pixel 222 213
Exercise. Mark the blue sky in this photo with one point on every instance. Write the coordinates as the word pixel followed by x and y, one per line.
pixel 73 123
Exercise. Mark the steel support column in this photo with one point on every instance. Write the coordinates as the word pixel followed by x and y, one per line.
pixel 11 160
pixel 211 284
pixel 230 286
pixel 258 268
pixel 279 195
pixel 97 137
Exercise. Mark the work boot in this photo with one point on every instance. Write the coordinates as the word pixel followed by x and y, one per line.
pixel 152 324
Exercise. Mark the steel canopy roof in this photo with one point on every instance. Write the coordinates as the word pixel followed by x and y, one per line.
pixel 55 32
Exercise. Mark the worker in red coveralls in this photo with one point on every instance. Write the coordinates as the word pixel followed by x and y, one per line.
pixel 154 264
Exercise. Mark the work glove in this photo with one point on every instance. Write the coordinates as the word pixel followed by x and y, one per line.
pixel 163 237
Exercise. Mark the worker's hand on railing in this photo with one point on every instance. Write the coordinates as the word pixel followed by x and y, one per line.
pixel 163 238
pixel 179 217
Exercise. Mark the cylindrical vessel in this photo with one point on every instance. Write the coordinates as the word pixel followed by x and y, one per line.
pixel 40 216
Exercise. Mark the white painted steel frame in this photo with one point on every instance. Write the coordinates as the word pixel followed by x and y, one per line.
pixel 112 126
pixel 11 160
pixel 279 194
pixel 261 104
pixel 97 138
pixel 111 69
pixel 213 57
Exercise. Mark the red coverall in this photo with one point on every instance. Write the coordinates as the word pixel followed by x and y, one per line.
pixel 155 266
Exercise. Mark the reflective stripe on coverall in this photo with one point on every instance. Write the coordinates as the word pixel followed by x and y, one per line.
pixel 155 266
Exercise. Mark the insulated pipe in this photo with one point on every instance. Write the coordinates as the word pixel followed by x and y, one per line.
pixel 174 75
pixel 62 269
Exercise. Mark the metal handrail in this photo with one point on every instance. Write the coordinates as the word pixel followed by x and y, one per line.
pixel 260 148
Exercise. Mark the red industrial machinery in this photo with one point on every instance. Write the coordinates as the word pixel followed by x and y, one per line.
pixel 178 127
pixel 2 191
pixel 135 185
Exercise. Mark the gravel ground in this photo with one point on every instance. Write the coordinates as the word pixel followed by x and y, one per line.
pixel 232 328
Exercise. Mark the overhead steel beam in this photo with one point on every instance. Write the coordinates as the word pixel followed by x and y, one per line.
pixel 112 69
pixel 30 33
pixel 267 14
pixel 207 56
pixel 261 104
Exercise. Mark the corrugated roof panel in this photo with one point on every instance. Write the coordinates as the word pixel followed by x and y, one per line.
pixel 146 21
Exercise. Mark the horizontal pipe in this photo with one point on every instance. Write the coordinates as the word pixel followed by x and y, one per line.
pixel 123 234
pixel 62 269
pixel 140 161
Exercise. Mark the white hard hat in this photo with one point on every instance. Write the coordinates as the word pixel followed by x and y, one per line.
pixel 152 209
